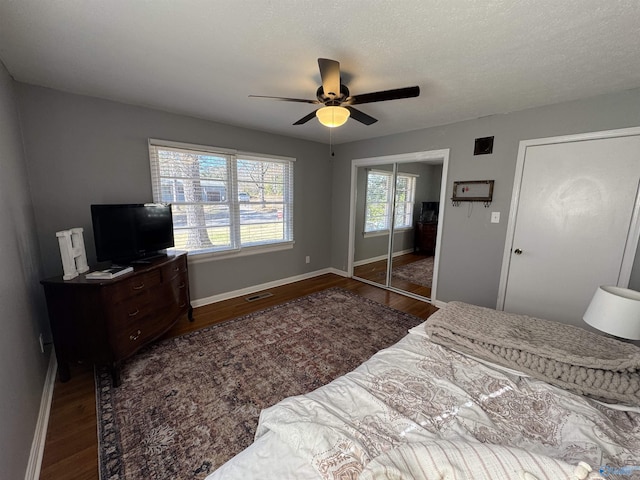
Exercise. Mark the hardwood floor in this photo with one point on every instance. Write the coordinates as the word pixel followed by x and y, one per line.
pixel 71 447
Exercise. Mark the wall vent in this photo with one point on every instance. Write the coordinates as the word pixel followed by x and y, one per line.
pixel 483 146
pixel 258 296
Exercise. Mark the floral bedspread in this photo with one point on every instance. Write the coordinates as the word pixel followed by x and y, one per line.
pixel 417 391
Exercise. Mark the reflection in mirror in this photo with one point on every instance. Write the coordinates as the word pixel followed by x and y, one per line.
pixel 373 213
pixel 417 197
pixel 398 254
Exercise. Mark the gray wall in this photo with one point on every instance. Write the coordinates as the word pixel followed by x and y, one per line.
pixel 471 246
pixel 82 150
pixel 21 300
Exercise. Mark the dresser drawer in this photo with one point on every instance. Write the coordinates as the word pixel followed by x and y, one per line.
pixel 138 305
pixel 425 238
pixel 175 268
pixel 179 287
pixel 146 315
pixel 180 298
pixel 137 332
pixel 132 286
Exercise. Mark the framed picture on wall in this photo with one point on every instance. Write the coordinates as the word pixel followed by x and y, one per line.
pixel 473 191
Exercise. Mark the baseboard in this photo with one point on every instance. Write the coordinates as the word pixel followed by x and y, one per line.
pixel 366 261
pixel 37 446
pixel 381 257
pixel 278 283
pixel 264 286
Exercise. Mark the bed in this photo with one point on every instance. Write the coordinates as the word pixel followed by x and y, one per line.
pixel 471 393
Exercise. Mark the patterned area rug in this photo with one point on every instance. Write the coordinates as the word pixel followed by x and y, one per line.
pixel 188 404
pixel 419 273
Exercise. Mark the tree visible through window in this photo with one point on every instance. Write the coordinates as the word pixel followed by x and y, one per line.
pixel 379 201
pixel 223 200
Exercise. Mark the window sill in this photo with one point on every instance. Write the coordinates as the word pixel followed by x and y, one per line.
pixel 380 233
pixel 205 257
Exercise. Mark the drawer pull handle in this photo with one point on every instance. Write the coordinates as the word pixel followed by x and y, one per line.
pixel 139 287
pixel 133 338
pixel 183 305
pixel 177 269
pixel 182 285
pixel 133 314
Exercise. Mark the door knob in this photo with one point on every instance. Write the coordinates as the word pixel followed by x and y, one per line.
pixel 517 251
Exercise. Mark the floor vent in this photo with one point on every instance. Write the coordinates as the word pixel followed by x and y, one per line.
pixel 258 296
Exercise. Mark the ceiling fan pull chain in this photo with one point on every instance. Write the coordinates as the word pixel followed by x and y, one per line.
pixel 331 142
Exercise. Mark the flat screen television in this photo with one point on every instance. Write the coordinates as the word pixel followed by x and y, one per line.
pixel 429 212
pixel 126 233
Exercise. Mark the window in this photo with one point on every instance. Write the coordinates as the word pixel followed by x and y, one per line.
pixel 223 200
pixel 405 199
pixel 379 202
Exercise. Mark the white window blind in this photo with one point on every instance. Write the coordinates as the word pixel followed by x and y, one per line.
pixel 405 199
pixel 379 201
pixel 223 200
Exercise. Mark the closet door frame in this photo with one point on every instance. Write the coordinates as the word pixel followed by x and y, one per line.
pixel 430 156
pixel 631 242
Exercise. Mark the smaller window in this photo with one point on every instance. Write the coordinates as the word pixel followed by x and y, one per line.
pixel 405 199
pixel 379 204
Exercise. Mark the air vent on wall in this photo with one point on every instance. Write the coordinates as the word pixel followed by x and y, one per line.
pixel 483 146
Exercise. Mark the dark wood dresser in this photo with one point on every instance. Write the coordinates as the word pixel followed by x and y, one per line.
pixel 425 238
pixel 106 321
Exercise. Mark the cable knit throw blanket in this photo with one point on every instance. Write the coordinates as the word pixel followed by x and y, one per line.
pixel 564 355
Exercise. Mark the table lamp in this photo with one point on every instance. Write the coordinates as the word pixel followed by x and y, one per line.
pixel 616 311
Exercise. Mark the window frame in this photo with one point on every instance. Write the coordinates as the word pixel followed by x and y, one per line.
pixel 228 191
pixel 390 203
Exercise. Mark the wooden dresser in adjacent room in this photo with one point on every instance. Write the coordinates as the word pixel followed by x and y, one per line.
pixel 425 238
pixel 106 321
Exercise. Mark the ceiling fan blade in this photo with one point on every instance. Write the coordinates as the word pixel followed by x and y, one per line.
pixel 361 116
pixel 396 94
pixel 330 74
pixel 306 118
pixel 286 99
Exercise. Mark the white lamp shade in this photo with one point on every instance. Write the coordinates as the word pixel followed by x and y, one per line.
pixel 332 116
pixel 615 310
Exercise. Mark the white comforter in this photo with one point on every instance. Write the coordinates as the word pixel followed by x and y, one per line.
pixel 419 394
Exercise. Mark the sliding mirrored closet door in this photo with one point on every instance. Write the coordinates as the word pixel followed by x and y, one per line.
pixel 370 254
pixel 415 228
pixel 395 219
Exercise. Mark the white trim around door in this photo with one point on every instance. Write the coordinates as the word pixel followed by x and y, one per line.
pixel 431 156
pixel 634 227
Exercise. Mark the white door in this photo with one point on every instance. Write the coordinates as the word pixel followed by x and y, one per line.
pixel 573 224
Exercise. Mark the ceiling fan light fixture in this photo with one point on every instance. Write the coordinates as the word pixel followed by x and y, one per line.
pixel 332 116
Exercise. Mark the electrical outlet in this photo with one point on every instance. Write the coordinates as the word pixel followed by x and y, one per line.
pixel 495 217
pixel 41 343
pixel 307 259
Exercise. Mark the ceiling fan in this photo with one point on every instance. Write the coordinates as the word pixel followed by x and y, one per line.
pixel 338 102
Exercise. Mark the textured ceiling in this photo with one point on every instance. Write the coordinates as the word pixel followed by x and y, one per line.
pixel 204 57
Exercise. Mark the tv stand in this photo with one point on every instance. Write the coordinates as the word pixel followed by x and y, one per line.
pixel 106 321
